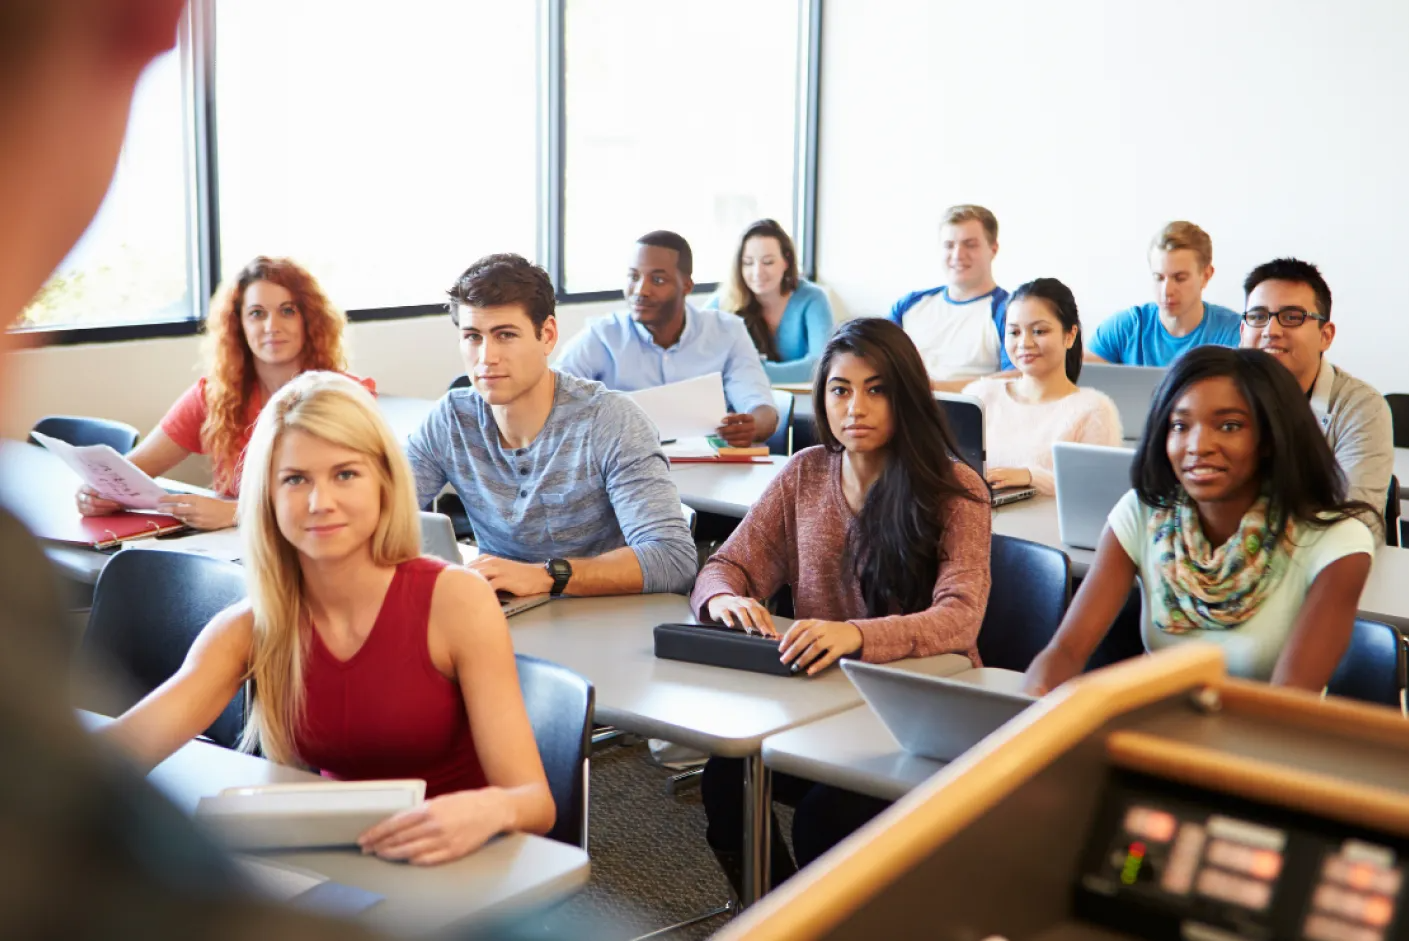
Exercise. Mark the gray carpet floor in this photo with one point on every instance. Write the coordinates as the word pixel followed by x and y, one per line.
pixel 650 864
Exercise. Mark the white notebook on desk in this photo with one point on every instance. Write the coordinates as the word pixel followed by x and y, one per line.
pixel 299 816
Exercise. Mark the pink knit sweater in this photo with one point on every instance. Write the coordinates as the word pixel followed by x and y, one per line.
pixel 796 535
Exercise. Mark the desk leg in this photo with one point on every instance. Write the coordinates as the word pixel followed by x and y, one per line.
pixel 758 819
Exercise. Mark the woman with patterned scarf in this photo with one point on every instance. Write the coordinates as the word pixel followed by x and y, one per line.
pixel 1237 526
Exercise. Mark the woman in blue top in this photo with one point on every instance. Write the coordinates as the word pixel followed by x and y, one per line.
pixel 789 318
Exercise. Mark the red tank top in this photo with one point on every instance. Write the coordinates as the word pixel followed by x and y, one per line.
pixel 387 712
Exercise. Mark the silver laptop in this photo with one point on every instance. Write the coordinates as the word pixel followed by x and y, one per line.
pixel 965 416
pixel 1090 480
pixel 933 716
pixel 1132 388
pixel 438 539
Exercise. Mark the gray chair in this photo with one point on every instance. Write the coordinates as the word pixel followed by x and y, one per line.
pixel 560 707
pixel 148 608
pixel 1374 667
pixel 781 440
pixel 81 431
pixel 1399 417
pixel 438 537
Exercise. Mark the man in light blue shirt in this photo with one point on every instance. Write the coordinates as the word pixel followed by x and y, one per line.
pixel 564 481
pixel 1179 319
pixel 662 339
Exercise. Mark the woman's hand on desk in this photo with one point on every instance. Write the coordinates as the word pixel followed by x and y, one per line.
pixel 815 645
pixel 90 504
pixel 200 512
pixel 746 614
pixel 439 830
pixel 1001 477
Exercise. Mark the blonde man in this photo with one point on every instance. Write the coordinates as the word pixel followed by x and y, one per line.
pixel 1178 319
pixel 958 326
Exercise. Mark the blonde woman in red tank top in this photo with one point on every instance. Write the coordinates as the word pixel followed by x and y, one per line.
pixel 369 660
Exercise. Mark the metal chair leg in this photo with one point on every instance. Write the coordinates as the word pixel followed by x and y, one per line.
pixel 678 782
pixel 728 908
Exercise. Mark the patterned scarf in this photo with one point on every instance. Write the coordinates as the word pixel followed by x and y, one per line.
pixel 1202 588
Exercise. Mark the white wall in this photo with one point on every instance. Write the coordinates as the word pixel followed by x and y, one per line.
pixel 1279 126
pixel 136 382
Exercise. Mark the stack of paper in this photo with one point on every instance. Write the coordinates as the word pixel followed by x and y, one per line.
pixel 690 409
pixel 111 475
pixel 291 816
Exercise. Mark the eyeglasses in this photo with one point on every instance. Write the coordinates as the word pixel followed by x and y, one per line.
pixel 1288 317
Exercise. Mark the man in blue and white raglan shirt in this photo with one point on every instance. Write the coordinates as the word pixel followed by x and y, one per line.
pixel 1178 319
pixel 958 327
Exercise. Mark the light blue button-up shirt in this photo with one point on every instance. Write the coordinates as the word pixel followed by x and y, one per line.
pixel 619 353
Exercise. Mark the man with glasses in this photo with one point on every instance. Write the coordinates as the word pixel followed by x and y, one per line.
pixel 1288 314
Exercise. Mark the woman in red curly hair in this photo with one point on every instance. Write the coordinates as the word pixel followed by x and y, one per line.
pixel 271 324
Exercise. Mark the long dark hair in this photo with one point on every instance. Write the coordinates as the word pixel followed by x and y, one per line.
pixel 740 299
pixel 894 540
pixel 1296 463
pixel 1062 303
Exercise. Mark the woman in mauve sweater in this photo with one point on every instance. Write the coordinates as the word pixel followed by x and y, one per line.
pixel 884 541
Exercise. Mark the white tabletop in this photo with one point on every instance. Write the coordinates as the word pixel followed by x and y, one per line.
pixel 724 489
pixel 512 872
pixel 720 711
pixel 404 414
pixel 854 749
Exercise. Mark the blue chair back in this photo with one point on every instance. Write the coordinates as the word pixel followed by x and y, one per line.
pixel 81 431
pixel 560 706
pixel 1030 591
pixel 780 441
pixel 1373 668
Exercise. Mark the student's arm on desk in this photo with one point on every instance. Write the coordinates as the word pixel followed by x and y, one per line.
pixel 155 455
pixel 185 705
pixel 753 563
pixel 1088 619
pixel 468 632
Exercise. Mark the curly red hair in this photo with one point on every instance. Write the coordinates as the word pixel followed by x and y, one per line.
pixel 230 375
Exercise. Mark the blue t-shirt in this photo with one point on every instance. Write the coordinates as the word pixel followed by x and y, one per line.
pixel 1135 336
pixel 802 334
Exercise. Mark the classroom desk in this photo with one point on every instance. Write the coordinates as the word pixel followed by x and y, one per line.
pixel 854 750
pixel 508 874
pixel 724 489
pixel 719 711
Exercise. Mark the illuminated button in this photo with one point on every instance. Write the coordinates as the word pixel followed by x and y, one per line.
pixel 1157 826
pixel 1248 834
pixel 1183 860
pixel 1361 875
pixel 1264 864
pixel 1227 887
pixel 1324 928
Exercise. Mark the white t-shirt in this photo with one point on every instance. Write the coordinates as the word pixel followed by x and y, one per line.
pixel 957 340
pixel 1251 649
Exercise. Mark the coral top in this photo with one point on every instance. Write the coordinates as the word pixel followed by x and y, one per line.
pixel 386 712
pixel 182 424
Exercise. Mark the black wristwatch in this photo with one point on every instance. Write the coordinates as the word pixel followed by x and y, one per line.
pixel 561 570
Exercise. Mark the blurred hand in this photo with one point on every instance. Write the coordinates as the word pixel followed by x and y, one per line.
pixel 200 512
pixel 436 831
pixel 514 578
pixel 737 430
pixel 815 645
pixel 1000 477
pixel 744 613
pixel 90 504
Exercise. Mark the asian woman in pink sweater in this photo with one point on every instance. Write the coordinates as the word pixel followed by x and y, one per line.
pixel 884 541
pixel 1024 416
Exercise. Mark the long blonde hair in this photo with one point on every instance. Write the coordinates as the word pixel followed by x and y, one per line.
pixel 340 411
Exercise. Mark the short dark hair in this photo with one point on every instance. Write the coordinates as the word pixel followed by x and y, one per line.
pixel 1296 271
pixel 662 238
pixel 1297 467
pixel 501 280
pixel 1062 303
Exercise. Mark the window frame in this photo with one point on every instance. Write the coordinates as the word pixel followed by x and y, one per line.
pixel 197 44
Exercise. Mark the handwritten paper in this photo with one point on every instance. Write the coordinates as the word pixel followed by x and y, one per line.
pixel 112 476
pixel 689 409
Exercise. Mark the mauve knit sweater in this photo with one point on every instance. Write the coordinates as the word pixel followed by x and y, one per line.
pixel 795 535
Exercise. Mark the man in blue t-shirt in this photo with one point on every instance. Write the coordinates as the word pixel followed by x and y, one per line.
pixel 1157 333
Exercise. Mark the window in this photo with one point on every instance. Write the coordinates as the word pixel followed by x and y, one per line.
pixel 133 263
pixel 384 148
pixel 680 116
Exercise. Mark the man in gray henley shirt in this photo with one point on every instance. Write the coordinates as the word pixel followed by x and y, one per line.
pixel 1353 415
pixel 564 481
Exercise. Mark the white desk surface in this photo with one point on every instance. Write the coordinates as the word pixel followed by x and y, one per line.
pixel 854 749
pixel 404 413
pixel 725 489
pixel 512 872
pixel 720 711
